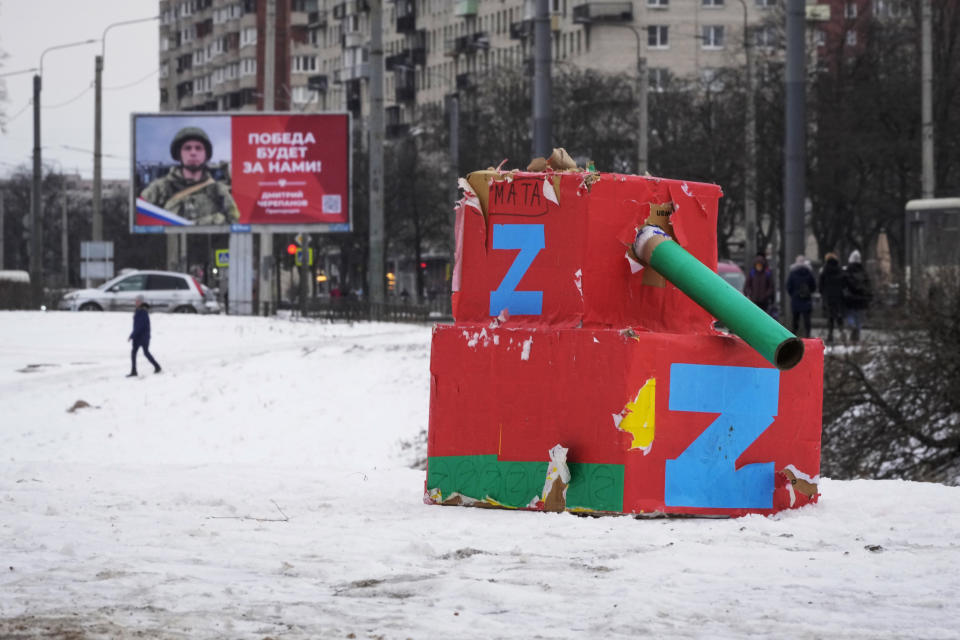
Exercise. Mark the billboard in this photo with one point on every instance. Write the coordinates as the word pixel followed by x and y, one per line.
pixel 217 172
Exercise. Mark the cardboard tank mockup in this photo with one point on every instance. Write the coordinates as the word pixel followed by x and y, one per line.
pixel 584 373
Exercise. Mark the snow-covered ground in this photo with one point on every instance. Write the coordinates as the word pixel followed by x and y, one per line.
pixel 260 488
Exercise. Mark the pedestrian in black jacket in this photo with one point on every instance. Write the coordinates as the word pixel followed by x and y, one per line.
pixel 857 293
pixel 801 285
pixel 831 290
pixel 140 337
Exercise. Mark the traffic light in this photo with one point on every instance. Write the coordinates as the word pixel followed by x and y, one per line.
pixel 292 249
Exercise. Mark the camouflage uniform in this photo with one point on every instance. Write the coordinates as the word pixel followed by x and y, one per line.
pixel 208 202
pixel 204 201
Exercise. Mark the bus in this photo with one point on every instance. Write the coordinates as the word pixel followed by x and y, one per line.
pixel 932 236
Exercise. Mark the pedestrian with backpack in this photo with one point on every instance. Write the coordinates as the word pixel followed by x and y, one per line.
pixel 857 294
pixel 800 286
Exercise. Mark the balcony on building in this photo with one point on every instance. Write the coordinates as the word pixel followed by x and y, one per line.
pixel 406 87
pixel 603 12
pixel 406 59
pixel 352 39
pixel 317 19
pixel 406 16
pixel 521 30
pixel 318 83
pixel 397 61
pixel 352 73
pixel 396 127
pixel 354 93
pixel 467 44
pixel 465 8
pixel 465 81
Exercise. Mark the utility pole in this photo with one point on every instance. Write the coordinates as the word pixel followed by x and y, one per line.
pixel 1 230
pixel 541 80
pixel 794 148
pixel 750 151
pixel 926 48
pixel 453 111
pixel 642 117
pixel 64 244
pixel 377 261
pixel 269 94
pixel 36 208
pixel 97 223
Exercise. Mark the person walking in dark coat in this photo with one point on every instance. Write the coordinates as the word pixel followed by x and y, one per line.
pixel 831 291
pixel 857 294
pixel 140 337
pixel 800 285
pixel 760 287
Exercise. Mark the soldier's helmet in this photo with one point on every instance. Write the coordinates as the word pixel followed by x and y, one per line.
pixel 190 133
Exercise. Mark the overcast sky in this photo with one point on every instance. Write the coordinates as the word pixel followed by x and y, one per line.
pixel 130 82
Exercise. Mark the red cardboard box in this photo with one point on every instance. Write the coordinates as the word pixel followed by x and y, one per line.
pixel 656 423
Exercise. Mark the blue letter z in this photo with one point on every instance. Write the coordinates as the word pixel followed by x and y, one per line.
pixel 529 239
pixel 705 474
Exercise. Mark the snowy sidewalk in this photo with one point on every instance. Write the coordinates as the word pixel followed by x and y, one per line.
pixel 259 488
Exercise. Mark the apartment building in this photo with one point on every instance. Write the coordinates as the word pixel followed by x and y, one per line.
pixel 212 51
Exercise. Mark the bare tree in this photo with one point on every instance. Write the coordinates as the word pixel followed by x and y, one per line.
pixel 892 410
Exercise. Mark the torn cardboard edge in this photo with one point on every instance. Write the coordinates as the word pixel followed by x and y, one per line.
pixel 801 483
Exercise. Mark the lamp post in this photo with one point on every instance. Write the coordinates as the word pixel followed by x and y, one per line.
pixel 642 90
pixel 97 226
pixel 36 207
pixel 750 152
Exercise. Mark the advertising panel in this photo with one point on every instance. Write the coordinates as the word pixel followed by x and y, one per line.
pixel 218 172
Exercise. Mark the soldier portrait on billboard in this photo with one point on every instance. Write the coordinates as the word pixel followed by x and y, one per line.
pixel 189 190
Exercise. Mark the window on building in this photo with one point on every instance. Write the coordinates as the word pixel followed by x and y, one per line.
pixel 303 64
pixel 851 38
pixel 164 69
pixel 712 36
pixel 766 4
pixel 659 77
pixel 888 8
pixel 819 37
pixel 765 36
pixel 658 36
pixel 712 3
pixel 658 4
pixel 248 36
pixel 850 10
pixel 301 95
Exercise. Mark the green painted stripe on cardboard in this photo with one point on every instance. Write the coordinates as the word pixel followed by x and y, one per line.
pixel 592 486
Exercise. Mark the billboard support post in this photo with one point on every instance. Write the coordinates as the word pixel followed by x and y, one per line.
pixel 240 287
pixel 376 271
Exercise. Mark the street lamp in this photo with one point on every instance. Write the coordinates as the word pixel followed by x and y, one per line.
pixel 97 226
pixel 642 86
pixel 36 244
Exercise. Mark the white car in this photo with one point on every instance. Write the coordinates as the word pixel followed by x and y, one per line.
pixel 161 291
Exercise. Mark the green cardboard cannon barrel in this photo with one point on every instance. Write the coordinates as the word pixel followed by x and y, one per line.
pixel 771 339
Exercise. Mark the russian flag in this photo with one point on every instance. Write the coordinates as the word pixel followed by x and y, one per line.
pixel 152 215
